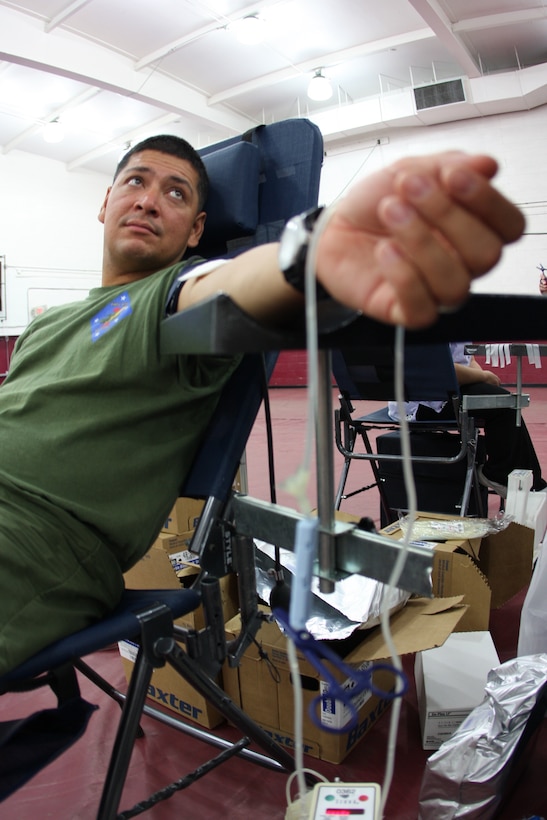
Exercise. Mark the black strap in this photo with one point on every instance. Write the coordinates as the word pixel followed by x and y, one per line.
pixel 248 135
pixel 179 282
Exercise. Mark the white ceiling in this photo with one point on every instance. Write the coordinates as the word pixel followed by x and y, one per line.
pixel 118 70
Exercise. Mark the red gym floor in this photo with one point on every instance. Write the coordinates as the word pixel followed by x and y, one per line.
pixel 240 790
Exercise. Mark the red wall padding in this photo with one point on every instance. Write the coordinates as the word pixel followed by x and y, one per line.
pixel 291 370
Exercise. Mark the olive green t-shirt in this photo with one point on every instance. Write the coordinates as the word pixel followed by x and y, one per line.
pixel 97 421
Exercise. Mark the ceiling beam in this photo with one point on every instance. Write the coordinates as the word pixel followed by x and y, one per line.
pixel 64 14
pixel 221 21
pixel 130 136
pixel 432 14
pixel 33 129
pixel 507 18
pixel 324 61
pixel 23 42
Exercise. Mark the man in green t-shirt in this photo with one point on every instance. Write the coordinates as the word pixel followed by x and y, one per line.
pixel 95 423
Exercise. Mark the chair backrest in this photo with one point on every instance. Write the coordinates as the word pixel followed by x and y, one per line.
pixel 215 466
pixel 259 180
pixel 368 373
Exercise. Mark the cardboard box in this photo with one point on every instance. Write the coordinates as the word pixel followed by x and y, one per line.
pixel 184 516
pixel 506 560
pixel 168 565
pixel 176 542
pixel 186 512
pixel 263 688
pixel 487 572
pixel 168 689
pixel 525 506
pixel 450 683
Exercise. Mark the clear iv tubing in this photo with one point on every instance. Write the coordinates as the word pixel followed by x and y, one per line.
pixel 398 567
pixel 302 476
pixel 298 482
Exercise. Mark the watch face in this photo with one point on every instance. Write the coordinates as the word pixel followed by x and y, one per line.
pixel 294 236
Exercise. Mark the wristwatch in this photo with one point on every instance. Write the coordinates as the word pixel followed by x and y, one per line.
pixel 293 248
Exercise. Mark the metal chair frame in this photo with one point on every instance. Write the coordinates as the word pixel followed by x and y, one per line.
pixel 437 380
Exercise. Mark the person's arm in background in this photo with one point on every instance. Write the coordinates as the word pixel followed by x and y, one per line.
pixel 400 245
pixel 473 373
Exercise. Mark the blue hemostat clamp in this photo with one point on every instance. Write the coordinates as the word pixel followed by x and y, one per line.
pixel 354 681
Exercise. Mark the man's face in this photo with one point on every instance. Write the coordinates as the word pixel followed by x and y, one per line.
pixel 150 216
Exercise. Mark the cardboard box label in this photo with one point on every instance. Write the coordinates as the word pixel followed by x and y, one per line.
pixel 181 560
pixel 168 689
pixel 286 739
pixel 335 713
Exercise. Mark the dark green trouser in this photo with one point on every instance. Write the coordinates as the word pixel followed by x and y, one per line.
pixel 56 576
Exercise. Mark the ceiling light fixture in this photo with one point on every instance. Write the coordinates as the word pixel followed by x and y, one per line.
pixel 125 148
pixel 53 131
pixel 320 87
pixel 249 30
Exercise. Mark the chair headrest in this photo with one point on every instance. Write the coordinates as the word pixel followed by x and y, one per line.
pixel 232 205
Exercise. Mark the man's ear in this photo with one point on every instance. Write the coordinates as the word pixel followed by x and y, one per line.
pixel 103 206
pixel 197 229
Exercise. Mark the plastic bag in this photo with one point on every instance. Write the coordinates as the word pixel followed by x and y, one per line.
pixel 451 529
pixel 533 619
pixel 473 770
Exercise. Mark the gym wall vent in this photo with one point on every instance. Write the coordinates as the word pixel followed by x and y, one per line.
pixel 435 94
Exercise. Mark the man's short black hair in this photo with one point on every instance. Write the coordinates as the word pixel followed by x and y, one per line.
pixel 177 147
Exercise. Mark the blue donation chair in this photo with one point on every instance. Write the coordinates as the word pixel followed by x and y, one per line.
pixel 442 448
pixel 258 181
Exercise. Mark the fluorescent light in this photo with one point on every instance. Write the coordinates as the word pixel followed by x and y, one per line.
pixel 320 88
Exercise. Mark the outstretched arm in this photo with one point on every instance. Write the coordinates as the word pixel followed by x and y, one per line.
pixel 473 373
pixel 403 243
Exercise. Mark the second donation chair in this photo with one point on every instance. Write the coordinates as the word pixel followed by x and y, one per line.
pixel 445 454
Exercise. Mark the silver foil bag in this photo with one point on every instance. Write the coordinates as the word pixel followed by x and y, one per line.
pixel 356 603
pixel 472 771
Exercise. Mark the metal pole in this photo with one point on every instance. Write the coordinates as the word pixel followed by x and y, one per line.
pixel 324 443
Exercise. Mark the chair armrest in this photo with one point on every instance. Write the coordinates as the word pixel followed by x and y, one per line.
pixel 513 401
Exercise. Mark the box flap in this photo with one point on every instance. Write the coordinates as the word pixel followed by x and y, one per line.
pixel 152 571
pixel 506 560
pixel 173 542
pixel 458 575
pixel 423 623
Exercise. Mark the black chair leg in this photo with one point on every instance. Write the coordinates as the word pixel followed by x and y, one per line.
pixel 191 672
pixel 384 503
pixel 342 483
pixel 156 622
pixel 156 647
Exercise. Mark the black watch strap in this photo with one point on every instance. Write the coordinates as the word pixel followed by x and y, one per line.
pixel 293 249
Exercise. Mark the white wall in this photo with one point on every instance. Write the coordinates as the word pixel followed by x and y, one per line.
pixel 52 240
pixel 49 234
pixel 518 141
